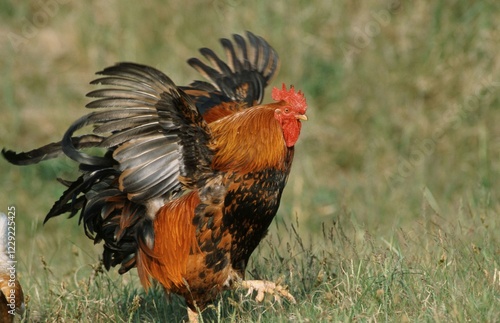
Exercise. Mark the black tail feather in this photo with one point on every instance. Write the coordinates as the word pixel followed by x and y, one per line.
pixel 49 151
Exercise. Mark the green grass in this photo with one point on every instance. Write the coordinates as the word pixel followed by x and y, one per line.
pixel 394 193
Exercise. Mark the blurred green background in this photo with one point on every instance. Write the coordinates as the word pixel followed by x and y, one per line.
pixel 403 98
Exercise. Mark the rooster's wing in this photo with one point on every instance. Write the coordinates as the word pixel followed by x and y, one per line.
pixel 156 145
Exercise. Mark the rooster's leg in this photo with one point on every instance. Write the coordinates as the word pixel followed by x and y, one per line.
pixel 264 286
pixel 192 316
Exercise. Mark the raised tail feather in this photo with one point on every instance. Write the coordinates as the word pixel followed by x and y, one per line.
pixel 249 69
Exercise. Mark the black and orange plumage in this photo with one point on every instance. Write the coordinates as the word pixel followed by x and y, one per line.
pixel 190 177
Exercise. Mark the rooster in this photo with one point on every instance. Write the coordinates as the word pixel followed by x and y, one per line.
pixel 189 178
pixel 11 292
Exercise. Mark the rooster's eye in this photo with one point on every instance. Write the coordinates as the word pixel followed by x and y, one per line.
pixel 287 110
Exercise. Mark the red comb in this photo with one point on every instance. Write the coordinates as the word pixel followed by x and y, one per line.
pixel 295 99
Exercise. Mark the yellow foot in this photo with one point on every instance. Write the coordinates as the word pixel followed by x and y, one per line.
pixel 264 286
pixel 192 316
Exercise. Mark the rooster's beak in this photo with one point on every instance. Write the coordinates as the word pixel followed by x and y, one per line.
pixel 302 117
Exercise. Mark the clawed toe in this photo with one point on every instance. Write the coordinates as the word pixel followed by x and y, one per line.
pixel 263 287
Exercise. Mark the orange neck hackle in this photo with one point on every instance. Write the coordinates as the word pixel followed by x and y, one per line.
pixel 251 140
